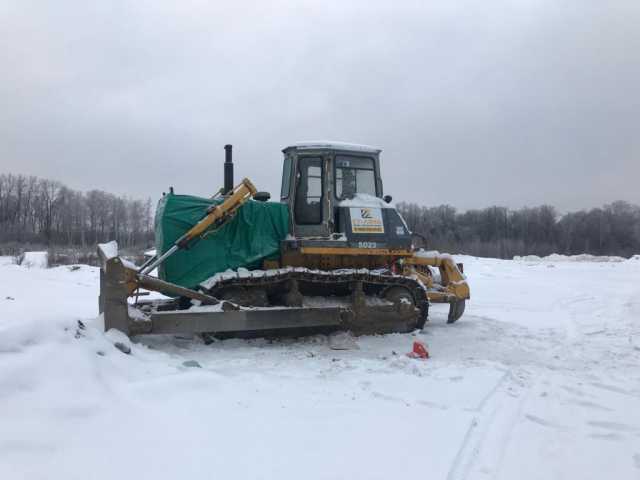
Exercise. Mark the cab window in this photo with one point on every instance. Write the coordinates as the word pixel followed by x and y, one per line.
pixel 354 175
pixel 286 177
pixel 308 204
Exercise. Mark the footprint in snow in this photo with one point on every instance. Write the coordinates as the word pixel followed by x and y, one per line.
pixel 592 405
pixel 615 426
pixel 438 406
pixel 390 398
pixel 612 388
pixel 543 422
pixel 365 385
pixel 615 437
pixel 574 390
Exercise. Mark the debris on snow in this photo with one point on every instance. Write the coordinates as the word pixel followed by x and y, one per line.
pixel 191 364
pixel 419 350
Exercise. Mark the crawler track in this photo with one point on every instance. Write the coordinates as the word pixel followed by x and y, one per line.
pixel 290 286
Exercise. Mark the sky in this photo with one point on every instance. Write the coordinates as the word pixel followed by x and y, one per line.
pixel 474 103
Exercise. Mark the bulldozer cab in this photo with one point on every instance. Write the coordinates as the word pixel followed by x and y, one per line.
pixel 336 189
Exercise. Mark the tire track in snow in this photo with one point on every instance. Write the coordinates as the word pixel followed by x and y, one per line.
pixel 485 441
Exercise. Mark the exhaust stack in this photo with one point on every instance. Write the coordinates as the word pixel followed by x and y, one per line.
pixel 228 169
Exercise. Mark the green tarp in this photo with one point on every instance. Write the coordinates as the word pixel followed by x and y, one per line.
pixel 253 234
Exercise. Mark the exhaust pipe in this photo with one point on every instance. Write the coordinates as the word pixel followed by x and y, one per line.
pixel 228 170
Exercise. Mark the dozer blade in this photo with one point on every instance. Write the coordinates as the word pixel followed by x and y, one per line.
pixel 118 282
pixel 250 322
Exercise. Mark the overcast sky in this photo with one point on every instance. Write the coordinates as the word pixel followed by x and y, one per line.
pixel 474 103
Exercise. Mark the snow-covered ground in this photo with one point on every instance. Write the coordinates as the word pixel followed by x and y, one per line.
pixel 539 379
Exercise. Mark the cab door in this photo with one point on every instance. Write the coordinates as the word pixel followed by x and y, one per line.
pixel 309 199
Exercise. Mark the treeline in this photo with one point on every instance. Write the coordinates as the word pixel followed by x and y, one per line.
pixel 45 212
pixel 36 211
pixel 502 233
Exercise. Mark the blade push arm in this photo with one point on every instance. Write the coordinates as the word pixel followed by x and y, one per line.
pixel 454 283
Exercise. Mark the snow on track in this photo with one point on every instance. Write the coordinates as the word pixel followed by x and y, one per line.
pixel 539 379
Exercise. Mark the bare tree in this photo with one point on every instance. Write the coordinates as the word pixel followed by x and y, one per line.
pixel 45 211
pixel 499 232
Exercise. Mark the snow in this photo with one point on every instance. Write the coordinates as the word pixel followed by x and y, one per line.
pixel 365 200
pixel 109 250
pixel 205 308
pixel 570 258
pixel 427 253
pixel 133 266
pixel 244 273
pixel 539 379
pixel 226 275
pixel 330 144
pixel 7 260
pixel 342 301
pixel 136 314
pixel 432 254
pixel 35 259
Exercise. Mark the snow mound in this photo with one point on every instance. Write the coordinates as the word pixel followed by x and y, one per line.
pixel 35 260
pixel 555 257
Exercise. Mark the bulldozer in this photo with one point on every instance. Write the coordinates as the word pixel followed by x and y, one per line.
pixel 332 254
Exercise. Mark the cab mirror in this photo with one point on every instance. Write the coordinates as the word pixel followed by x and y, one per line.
pixel 387 198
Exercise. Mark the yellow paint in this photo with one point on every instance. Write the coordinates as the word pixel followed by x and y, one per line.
pixel 241 193
pixel 355 251
pixel 455 286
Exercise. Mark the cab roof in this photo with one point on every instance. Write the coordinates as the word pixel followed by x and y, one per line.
pixel 332 145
